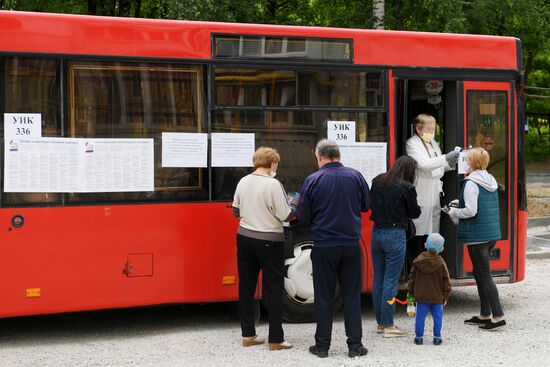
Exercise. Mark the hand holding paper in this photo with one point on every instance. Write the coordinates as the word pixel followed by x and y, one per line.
pixel 463 166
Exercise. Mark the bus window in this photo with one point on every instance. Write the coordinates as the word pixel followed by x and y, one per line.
pixel 32 86
pixel 255 87
pixel 280 88
pixel 339 88
pixel 294 137
pixel 281 119
pixel 488 128
pixel 119 100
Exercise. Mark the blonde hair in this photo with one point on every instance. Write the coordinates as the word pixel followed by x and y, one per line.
pixel 264 157
pixel 423 119
pixel 478 158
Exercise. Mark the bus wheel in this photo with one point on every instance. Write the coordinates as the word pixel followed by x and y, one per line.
pixel 298 301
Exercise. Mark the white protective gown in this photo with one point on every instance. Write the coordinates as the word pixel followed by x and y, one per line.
pixel 430 169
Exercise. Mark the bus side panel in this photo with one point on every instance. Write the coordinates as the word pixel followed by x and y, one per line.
pixel 77 34
pixel 522 245
pixel 74 258
pixel 503 263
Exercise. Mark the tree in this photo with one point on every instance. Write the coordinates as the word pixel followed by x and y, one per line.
pixel 378 8
pixel 529 20
pixel 121 8
pixel 342 13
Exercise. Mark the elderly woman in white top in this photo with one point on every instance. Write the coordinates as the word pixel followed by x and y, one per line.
pixel 431 166
pixel 261 204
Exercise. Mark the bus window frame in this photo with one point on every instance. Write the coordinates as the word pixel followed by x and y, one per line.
pixel 297 67
pixel 207 83
pixel 74 65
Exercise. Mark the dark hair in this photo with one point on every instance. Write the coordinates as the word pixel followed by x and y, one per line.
pixel 404 168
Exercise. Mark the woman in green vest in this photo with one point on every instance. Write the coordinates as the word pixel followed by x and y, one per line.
pixel 479 228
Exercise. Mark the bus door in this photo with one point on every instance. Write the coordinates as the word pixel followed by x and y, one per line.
pixel 440 98
pixel 488 123
pixel 468 114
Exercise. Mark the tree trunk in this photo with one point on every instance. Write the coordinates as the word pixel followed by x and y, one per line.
pixel 124 8
pixel 397 18
pixel 378 14
pixel 92 7
pixel 137 11
pixel 271 7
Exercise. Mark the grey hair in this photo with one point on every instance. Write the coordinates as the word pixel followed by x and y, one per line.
pixel 328 149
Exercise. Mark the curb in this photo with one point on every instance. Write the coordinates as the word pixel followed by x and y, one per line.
pixel 538 225
pixel 538 255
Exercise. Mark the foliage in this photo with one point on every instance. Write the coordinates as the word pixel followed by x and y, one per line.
pixel 537 143
pixel 529 20
pixel 342 13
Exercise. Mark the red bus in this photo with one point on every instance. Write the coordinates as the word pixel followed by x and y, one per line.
pixel 90 77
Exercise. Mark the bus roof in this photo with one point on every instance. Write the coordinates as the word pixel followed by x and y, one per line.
pixel 135 37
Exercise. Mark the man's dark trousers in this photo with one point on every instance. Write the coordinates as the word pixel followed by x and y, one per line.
pixel 332 264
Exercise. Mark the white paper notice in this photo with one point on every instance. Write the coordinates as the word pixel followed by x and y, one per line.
pixel 463 166
pixel 42 165
pixel 22 125
pixel 232 150
pixel 78 165
pixel 184 150
pixel 368 158
pixel 117 165
pixel 342 132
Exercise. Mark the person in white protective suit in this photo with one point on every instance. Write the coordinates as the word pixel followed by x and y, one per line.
pixel 431 166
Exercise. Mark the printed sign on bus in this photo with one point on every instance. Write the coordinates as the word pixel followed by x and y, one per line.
pixel 341 131
pixel 22 125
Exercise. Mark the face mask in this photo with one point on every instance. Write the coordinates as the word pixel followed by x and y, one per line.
pixel 273 174
pixel 427 137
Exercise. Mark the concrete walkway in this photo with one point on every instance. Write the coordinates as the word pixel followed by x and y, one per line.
pixel 538 229
pixel 538 238
pixel 540 179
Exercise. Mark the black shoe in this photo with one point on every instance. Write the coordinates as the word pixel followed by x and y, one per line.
pixel 477 321
pixel 358 352
pixel 437 341
pixel 492 326
pixel 418 341
pixel 321 353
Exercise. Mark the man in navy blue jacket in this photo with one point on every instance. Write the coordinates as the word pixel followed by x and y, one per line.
pixel 332 200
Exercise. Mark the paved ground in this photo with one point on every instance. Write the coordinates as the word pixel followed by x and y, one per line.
pixel 206 336
pixel 538 178
pixel 538 234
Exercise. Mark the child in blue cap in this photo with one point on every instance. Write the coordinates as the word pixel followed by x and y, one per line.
pixel 430 284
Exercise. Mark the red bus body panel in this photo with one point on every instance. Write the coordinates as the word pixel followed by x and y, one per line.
pixel 76 256
pixel 521 245
pixel 90 35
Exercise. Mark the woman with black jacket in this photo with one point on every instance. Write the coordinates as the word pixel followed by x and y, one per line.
pixel 393 204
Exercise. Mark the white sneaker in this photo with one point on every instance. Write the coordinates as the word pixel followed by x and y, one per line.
pixel 280 346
